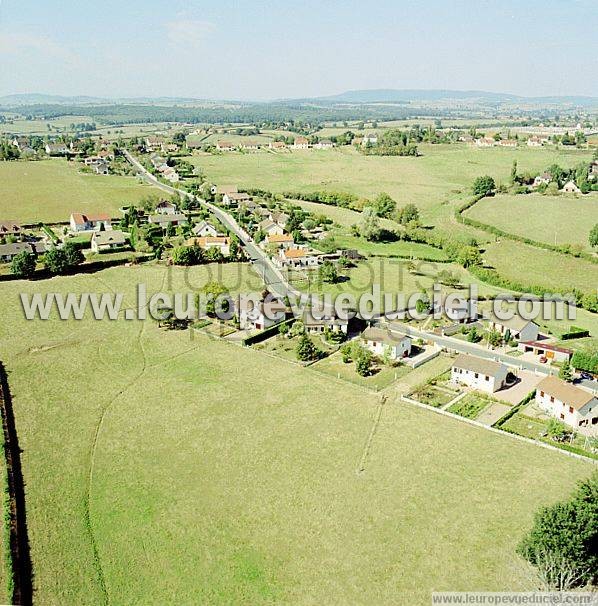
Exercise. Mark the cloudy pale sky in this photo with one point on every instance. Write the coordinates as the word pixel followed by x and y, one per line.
pixel 262 49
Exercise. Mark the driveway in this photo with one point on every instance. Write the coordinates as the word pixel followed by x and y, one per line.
pixel 527 382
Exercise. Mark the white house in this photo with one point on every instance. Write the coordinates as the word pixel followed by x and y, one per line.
pixel 56 149
pixel 222 243
pixel 165 220
pixel 318 321
pixel 369 139
pixel 82 222
pixel 383 342
pixel 204 229
pixel 234 198
pixel 297 258
pixel 164 207
pixel 225 146
pixel 479 373
pixel 301 143
pixel 107 240
pixel 574 406
pixel 485 142
pixel 280 240
pixel 458 309
pixel 260 315
pixel 324 144
pixel 270 228
pixel 516 327
pixel 543 179
pixel 571 188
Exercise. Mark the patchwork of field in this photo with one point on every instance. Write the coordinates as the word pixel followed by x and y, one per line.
pixel 551 219
pixel 166 466
pixel 429 181
pixel 49 190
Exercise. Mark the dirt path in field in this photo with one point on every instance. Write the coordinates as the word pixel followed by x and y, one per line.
pixel 87 500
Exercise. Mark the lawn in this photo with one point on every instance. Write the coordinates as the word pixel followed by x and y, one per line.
pixel 392 276
pixel 286 348
pixel 399 248
pixel 49 190
pixel 551 219
pixel 533 266
pixel 168 467
pixel 383 376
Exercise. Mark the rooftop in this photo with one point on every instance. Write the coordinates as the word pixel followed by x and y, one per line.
pixel 565 392
pixel 475 364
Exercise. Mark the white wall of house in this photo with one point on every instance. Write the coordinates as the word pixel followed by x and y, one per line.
pixel 255 319
pixel 396 350
pixel 478 380
pixel 568 414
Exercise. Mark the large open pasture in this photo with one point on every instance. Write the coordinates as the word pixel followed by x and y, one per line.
pixel 167 467
pixel 429 181
pixel 49 190
pixel 535 266
pixel 552 219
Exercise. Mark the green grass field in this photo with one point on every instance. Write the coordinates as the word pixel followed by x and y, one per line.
pixel 531 266
pixel 169 467
pixel 429 181
pixel 551 219
pixel 49 190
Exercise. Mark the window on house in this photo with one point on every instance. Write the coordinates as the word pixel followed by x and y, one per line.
pixel 570 409
pixel 487 378
pixel 595 421
pixel 476 375
pixel 542 394
pixel 552 398
pixel 562 416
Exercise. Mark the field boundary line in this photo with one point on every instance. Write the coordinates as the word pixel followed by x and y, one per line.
pixel 19 568
pixel 514 436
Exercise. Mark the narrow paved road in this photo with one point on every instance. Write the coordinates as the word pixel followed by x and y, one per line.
pixel 270 274
pixel 277 284
pixel 480 351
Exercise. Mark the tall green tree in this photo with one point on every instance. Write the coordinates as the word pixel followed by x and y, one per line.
pixel 23 264
pixel 563 541
pixel 594 236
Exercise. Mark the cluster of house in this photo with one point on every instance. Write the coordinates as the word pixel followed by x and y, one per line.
pixel 367 139
pixel 155 144
pixel 206 236
pixel 491 142
pixel 19 242
pixel 168 172
pixel 100 162
pixel 570 187
pixel 272 224
pixel 575 406
pixel 299 142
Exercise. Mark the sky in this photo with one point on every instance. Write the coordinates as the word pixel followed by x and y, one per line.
pixel 262 49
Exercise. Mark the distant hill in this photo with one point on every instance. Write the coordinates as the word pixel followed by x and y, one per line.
pixel 414 95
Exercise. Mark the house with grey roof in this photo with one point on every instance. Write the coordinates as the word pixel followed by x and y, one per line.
pixel 479 373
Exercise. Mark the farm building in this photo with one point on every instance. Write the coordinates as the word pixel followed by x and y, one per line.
pixel 551 352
